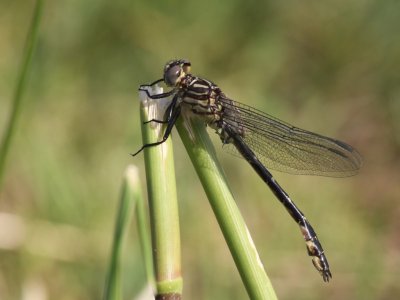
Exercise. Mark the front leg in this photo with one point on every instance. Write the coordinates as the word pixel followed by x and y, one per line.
pixel 168 112
pixel 172 113
pixel 144 87
pixel 153 83
pixel 171 122
pixel 157 96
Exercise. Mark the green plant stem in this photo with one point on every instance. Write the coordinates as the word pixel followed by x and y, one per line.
pixel 144 234
pixel 130 198
pixel 163 204
pixel 129 193
pixel 201 151
pixel 31 41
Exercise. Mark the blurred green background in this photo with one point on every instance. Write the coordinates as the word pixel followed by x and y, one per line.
pixel 332 67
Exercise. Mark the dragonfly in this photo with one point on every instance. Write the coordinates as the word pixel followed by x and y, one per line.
pixel 264 141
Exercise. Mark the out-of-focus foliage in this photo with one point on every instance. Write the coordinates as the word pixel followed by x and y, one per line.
pixel 329 66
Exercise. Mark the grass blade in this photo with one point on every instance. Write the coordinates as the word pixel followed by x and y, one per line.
pixel 131 196
pixel 30 43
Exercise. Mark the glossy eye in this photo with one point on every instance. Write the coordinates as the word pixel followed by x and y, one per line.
pixel 171 75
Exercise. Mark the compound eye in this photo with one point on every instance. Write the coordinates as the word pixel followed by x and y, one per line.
pixel 172 75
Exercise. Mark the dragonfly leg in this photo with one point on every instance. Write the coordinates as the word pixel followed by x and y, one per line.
pixel 144 87
pixel 156 96
pixel 156 121
pixel 153 83
pixel 168 113
pixel 175 112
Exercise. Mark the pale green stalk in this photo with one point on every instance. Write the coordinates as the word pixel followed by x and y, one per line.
pixel 163 204
pixel 201 151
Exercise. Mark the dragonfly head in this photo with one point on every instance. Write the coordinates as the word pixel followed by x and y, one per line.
pixel 175 70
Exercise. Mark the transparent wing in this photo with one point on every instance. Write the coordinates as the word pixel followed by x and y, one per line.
pixel 283 147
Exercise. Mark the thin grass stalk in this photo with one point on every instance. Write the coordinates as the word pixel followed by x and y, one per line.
pixel 163 204
pixel 129 197
pixel 30 44
pixel 144 234
pixel 202 153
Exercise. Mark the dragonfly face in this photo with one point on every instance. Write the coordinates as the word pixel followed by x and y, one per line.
pixel 175 70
